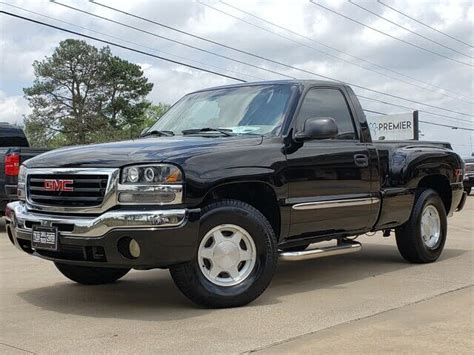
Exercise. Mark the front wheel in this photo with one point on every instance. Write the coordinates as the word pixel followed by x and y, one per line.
pixel 88 275
pixel 235 259
pixel 468 190
pixel 421 239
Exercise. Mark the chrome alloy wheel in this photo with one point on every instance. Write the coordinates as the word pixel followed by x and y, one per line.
pixel 430 227
pixel 227 255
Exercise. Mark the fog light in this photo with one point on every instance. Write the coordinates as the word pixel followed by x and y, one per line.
pixel 134 248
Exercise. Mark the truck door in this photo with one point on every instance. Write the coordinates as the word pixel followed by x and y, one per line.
pixel 329 180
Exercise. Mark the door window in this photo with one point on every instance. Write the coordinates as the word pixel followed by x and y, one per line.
pixel 327 103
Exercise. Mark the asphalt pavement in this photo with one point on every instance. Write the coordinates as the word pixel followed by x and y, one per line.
pixel 367 302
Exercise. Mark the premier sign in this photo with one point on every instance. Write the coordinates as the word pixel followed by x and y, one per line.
pixel 394 127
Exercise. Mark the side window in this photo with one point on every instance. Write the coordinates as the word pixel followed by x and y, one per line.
pixel 327 103
pixel 16 140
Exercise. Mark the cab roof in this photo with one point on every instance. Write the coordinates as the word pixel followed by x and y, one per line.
pixel 303 83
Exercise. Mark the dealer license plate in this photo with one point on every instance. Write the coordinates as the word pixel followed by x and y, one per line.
pixel 45 238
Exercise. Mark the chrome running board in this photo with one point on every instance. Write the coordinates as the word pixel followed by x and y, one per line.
pixel 341 248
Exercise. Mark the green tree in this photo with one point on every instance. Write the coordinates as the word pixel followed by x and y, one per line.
pixel 153 114
pixel 133 128
pixel 82 94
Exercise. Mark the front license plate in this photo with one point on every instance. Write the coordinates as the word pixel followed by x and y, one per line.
pixel 45 238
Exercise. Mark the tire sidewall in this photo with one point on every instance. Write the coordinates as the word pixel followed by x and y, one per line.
pixel 265 246
pixel 429 197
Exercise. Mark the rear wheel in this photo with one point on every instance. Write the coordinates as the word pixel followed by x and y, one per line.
pixel 235 260
pixel 88 275
pixel 421 239
pixel 468 190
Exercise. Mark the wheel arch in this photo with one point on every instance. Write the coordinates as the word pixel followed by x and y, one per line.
pixel 259 195
pixel 441 185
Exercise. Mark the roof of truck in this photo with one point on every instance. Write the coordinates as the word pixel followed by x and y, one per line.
pixel 7 129
pixel 279 82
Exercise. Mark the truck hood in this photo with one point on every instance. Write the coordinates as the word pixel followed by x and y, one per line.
pixel 145 150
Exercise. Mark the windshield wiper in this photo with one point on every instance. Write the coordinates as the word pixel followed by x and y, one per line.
pixel 158 133
pixel 225 131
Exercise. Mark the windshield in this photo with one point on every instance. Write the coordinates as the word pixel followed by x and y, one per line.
pixel 238 110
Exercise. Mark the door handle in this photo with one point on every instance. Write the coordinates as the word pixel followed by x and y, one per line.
pixel 361 160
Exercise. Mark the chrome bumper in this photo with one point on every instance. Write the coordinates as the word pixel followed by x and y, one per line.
pixel 22 220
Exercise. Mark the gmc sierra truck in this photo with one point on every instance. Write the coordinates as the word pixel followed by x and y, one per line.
pixel 227 182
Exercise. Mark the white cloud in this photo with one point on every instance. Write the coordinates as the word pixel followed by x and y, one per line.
pixel 22 42
pixel 12 108
pixel 172 82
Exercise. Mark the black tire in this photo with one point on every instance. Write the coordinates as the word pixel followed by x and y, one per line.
pixel 409 237
pixel 87 275
pixel 468 190
pixel 296 248
pixel 191 281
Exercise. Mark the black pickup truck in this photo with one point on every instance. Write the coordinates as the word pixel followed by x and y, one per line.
pixel 228 181
pixel 14 150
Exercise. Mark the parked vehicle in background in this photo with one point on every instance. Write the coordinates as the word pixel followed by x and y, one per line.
pixel 229 180
pixel 468 174
pixel 14 150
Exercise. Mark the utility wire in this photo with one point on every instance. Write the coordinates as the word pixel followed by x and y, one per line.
pixel 407 29
pixel 339 51
pixel 326 53
pixel 424 24
pixel 411 108
pixel 377 112
pixel 170 39
pixel 445 125
pixel 247 53
pixel 127 41
pixel 427 122
pixel 120 46
pixel 389 35
pixel 155 56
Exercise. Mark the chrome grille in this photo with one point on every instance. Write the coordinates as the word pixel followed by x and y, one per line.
pixel 88 190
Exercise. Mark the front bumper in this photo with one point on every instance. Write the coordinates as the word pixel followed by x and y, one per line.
pixel 166 236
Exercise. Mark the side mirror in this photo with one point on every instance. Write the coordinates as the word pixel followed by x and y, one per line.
pixel 144 130
pixel 317 128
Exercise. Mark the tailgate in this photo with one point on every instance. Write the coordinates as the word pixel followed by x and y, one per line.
pixel 8 182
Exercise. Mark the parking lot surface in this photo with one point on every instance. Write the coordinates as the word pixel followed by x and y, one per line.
pixel 365 302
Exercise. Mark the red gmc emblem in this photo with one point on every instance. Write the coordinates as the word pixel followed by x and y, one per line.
pixel 58 185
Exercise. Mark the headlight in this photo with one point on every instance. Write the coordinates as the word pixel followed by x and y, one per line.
pixel 21 186
pixel 151 184
pixel 152 174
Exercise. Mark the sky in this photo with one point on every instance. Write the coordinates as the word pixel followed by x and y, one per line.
pixel 418 69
